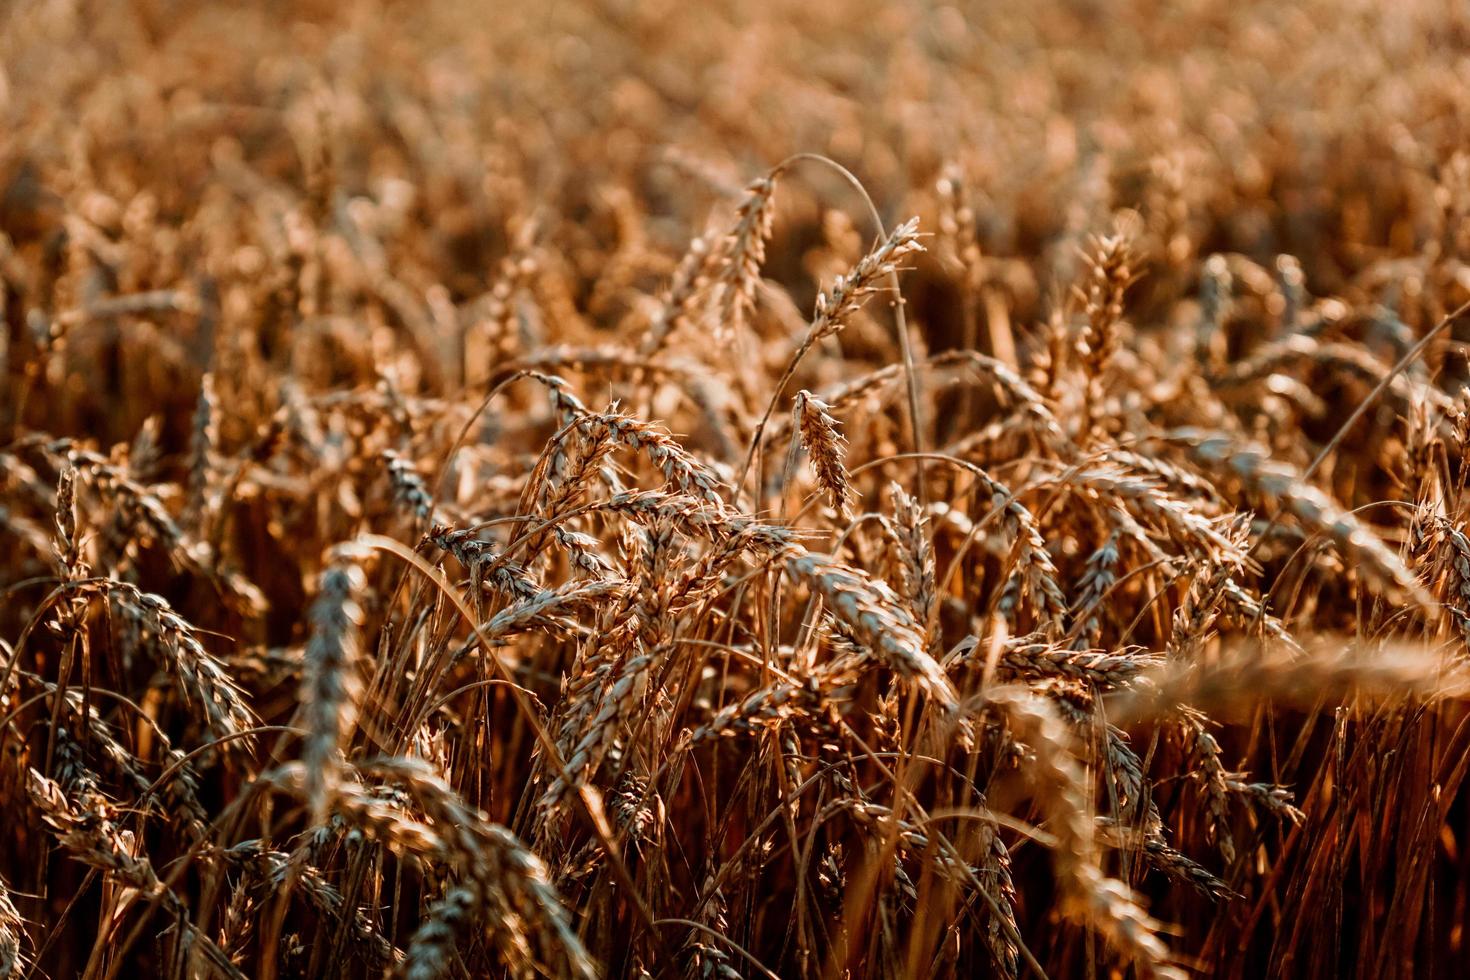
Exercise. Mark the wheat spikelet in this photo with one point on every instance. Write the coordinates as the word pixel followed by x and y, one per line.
pixel 203 454
pixel 877 620
pixel 1254 465
pixel 481 559
pixel 995 865
pixel 837 304
pixel 825 447
pixel 331 684
pixel 200 675
pixel 625 687
pixel 741 255
pixel 409 490
pixel 1039 660
pixel 1034 575
pixel 910 529
pixel 682 470
pixel 1160 856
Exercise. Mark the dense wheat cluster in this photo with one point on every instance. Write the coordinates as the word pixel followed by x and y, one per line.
pixel 817 490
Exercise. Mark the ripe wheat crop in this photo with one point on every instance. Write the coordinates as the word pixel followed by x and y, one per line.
pixel 758 489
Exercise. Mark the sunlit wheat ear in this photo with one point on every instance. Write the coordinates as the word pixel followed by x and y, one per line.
pixel 1034 574
pixel 486 565
pixel 201 676
pixel 1148 501
pixel 878 620
pixel 759 710
pixel 1031 411
pixel 1254 466
pixel 835 306
pixel 1097 579
pixel 679 467
pixel 67 545
pixel 1026 657
pixel 839 302
pixel 740 258
pixel 916 565
pixel 67 549
pixel 149 519
pixel 625 686
pixel 1112 266
pixel 142 508
pixel 825 447
pixel 1249 609
pixel 1164 858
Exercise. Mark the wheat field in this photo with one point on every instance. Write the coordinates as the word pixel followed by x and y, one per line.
pixel 632 489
